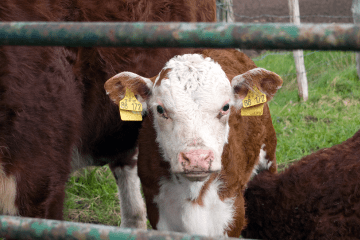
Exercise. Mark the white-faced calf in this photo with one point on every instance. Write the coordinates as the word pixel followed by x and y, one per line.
pixel 197 148
pixel 54 114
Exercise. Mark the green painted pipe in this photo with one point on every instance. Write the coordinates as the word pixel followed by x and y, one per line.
pixel 34 228
pixel 209 35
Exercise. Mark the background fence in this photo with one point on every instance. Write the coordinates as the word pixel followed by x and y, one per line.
pixel 320 11
pixel 266 11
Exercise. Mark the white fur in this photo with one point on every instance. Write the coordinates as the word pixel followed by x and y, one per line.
pixel 238 80
pixel 7 193
pixel 263 163
pixel 178 213
pixel 192 94
pixel 133 211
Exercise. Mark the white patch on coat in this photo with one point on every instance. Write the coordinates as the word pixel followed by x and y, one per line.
pixel 178 213
pixel 7 194
pixel 263 164
pixel 192 94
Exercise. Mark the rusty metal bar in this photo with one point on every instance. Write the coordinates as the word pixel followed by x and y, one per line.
pixel 210 35
pixel 34 228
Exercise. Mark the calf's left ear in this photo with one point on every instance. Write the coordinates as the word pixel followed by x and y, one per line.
pixel 116 86
pixel 266 81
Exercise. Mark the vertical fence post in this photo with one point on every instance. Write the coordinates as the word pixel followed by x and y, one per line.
pixel 299 54
pixel 225 11
pixel 356 16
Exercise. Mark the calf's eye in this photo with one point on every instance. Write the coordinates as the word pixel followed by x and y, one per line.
pixel 226 107
pixel 160 109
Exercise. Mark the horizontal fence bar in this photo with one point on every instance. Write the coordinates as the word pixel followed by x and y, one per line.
pixel 34 228
pixel 198 35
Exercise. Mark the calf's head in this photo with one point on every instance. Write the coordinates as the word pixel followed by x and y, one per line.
pixel 190 101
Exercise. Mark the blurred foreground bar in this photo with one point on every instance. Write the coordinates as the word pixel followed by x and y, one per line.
pixel 344 37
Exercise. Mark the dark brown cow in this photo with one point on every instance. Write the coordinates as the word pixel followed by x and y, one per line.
pixel 315 198
pixel 53 107
pixel 197 146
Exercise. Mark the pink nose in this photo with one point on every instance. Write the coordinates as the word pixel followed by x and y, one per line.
pixel 196 160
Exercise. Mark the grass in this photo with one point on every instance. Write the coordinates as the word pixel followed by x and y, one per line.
pixel 92 197
pixel 330 116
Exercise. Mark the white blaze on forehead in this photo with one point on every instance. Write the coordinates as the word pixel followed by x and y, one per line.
pixel 193 92
pixel 194 78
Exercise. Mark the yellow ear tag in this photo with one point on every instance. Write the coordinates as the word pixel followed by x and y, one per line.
pixel 253 103
pixel 130 107
pixel 253 111
pixel 254 98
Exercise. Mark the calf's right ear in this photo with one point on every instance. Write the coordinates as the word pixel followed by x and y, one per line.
pixel 116 87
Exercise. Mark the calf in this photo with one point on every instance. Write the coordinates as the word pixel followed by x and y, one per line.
pixel 315 198
pixel 196 151
pixel 54 114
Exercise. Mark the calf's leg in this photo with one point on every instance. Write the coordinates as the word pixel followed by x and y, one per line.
pixel 133 211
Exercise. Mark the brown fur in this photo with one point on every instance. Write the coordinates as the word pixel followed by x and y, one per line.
pixel 247 134
pixel 52 98
pixel 315 198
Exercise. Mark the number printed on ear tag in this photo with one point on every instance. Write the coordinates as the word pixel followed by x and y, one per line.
pixel 130 107
pixel 253 98
pixel 129 102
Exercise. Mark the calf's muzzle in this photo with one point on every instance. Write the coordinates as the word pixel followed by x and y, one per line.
pixel 196 164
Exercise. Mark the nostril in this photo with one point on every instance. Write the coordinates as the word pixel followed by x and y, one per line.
pixel 184 157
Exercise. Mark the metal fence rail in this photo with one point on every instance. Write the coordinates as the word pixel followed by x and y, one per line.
pixel 34 228
pixel 344 37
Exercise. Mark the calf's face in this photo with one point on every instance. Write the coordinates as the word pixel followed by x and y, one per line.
pixel 191 104
pixel 190 101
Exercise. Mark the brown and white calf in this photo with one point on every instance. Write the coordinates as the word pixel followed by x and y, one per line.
pixel 196 150
pixel 54 114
